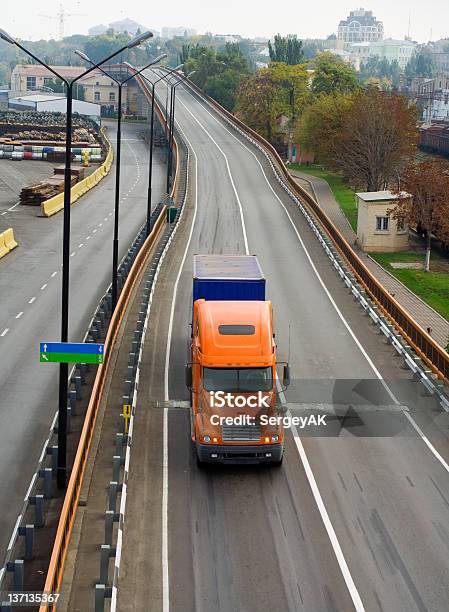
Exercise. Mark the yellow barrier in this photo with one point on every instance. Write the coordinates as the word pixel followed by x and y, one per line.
pixel 7 242
pixel 56 203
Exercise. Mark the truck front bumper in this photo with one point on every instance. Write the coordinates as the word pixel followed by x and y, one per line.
pixel 236 453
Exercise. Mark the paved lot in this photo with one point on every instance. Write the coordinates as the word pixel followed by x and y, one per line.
pixel 14 175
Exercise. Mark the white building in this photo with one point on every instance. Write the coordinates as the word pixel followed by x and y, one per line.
pixel 388 48
pixel 55 104
pixel 359 26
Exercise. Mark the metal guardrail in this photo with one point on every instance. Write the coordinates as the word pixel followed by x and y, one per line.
pixel 119 484
pixel 67 517
pixel 425 346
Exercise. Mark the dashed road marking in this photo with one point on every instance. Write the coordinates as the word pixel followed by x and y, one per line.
pixel 44 286
pixel 81 244
pixel 19 314
pixel 54 274
pixel 4 332
pixel 32 300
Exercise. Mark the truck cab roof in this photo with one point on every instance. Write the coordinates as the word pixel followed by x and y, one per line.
pixel 233 333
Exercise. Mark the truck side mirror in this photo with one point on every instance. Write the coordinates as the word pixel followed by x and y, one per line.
pixel 188 375
pixel 286 379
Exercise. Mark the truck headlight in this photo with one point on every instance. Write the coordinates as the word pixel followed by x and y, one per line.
pixel 275 438
pixel 206 438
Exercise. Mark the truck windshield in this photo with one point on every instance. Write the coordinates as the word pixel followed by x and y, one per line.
pixel 237 379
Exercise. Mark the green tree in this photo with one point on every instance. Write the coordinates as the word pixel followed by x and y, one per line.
pixel 99 47
pixel 333 75
pixel 421 64
pixel 287 49
pixel 218 73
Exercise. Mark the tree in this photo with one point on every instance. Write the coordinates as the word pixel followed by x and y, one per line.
pixel 421 64
pixel 379 131
pixel 321 123
pixel 263 98
pixel 218 73
pixel 428 209
pixel 287 49
pixel 333 75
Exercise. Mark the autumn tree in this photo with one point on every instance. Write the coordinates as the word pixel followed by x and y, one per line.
pixel 379 131
pixel 263 98
pixel 333 75
pixel 321 123
pixel 428 208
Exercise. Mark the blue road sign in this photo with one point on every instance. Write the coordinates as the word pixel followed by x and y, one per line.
pixel 84 348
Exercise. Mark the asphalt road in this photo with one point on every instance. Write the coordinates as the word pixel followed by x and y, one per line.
pixel 349 522
pixel 30 297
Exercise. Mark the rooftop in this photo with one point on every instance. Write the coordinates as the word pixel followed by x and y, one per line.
pixel 378 196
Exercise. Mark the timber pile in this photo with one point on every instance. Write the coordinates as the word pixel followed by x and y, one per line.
pixel 34 195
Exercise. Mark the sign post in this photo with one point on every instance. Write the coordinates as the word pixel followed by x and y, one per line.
pixel 71 352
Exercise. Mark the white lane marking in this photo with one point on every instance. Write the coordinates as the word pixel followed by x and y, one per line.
pixel 13 207
pixel 165 574
pixel 344 568
pixel 32 300
pixel 94 231
pixel 72 254
pixel 88 237
pixel 100 225
pixel 105 219
pixel 245 238
pixel 54 274
pixel 4 332
pixel 19 314
pixel 4 213
pixel 44 286
pixel 411 420
pixel 81 244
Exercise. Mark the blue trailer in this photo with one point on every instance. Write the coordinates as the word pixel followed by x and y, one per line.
pixel 227 277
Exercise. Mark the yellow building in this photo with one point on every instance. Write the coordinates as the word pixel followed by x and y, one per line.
pixel 98 88
pixel 377 231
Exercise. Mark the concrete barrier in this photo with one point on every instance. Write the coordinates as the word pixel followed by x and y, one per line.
pixel 55 204
pixel 7 242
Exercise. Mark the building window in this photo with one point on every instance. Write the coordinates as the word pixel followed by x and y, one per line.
pixel 112 97
pixel 97 96
pixel 382 224
pixel 48 81
pixel 31 82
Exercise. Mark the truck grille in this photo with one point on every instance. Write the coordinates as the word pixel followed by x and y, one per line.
pixel 241 433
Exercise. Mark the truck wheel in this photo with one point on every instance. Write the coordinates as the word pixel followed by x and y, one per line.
pixel 278 463
pixel 200 464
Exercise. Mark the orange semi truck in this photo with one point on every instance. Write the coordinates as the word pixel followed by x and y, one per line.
pixel 232 374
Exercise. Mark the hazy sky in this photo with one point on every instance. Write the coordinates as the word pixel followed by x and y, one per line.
pixel 427 18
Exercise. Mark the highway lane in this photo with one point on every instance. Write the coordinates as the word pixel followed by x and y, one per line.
pixel 30 287
pixel 254 539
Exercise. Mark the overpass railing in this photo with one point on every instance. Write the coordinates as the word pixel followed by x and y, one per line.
pixel 424 345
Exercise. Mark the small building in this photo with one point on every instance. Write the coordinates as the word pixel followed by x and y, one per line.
pixel 377 231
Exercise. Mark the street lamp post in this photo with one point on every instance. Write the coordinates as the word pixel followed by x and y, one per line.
pixel 150 166
pixel 64 368
pixel 120 83
pixel 172 125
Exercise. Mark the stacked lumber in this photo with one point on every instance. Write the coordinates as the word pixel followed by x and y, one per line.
pixel 34 195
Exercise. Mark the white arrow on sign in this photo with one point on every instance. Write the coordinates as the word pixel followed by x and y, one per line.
pixel 45 357
pixel 45 348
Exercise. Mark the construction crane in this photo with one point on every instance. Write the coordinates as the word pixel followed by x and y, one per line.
pixel 61 17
